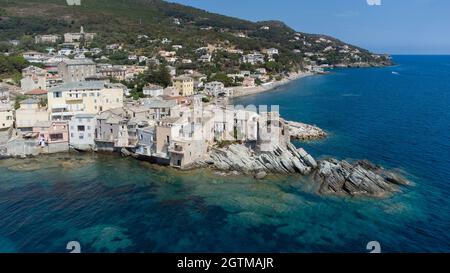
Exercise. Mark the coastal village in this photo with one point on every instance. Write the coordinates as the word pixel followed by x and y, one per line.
pixel 162 109
pixel 67 101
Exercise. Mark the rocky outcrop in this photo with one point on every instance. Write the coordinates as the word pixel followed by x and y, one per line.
pixel 242 159
pixel 304 131
pixel 359 178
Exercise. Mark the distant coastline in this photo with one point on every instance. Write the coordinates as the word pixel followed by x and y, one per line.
pixel 248 91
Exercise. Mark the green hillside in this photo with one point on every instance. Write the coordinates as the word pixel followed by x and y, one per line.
pixel 121 21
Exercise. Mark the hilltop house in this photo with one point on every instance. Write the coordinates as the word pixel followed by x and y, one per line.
pixel 205 58
pixel 272 51
pixel 79 36
pixel 253 58
pixel 47 39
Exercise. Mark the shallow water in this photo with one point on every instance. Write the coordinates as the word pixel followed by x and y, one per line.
pixel 114 204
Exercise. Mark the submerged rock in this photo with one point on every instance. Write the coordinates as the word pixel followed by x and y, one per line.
pixel 260 175
pixel 359 178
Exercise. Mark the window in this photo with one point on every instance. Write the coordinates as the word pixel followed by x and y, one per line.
pixel 81 128
pixel 57 94
pixel 81 136
pixel 56 137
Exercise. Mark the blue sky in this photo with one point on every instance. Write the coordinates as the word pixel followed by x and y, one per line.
pixel 397 26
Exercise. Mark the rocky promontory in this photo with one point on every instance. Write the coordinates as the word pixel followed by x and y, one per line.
pixel 303 131
pixel 361 178
pixel 358 178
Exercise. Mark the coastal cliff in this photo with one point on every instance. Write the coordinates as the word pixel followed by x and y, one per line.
pixel 334 177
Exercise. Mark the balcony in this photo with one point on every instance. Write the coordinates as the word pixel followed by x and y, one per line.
pixel 176 148
pixel 72 99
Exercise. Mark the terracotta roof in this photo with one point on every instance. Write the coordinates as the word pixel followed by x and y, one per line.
pixel 36 92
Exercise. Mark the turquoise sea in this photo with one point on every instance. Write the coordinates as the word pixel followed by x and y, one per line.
pixel 399 120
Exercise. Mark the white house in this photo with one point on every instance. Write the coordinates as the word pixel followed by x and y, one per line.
pixel 153 90
pixel 142 59
pixel 214 88
pixel 82 131
pixel 146 141
pixel 272 51
pixel 205 58
pixel 253 58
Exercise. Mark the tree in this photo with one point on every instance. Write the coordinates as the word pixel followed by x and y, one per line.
pixel 12 65
pixel 223 78
pixel 161 76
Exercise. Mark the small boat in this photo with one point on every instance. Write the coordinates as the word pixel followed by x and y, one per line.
pixel 395 73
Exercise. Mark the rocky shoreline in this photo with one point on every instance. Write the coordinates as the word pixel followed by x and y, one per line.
pixel 305 132
pixel 334 177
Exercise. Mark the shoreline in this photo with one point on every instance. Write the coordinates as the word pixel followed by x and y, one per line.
pixel 248 91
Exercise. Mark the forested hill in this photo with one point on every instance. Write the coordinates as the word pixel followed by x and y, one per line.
pixel 121 21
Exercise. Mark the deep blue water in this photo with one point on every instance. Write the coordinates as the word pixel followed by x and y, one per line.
pixel 113 204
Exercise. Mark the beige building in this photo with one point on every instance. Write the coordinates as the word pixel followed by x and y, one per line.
pixel 6 116
pixel 84 97
pixel 6 111
pixel 76 70
pixel 47 39
pixel 33 78
pixel 185 85
pixel 79 36
pixel 29 114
